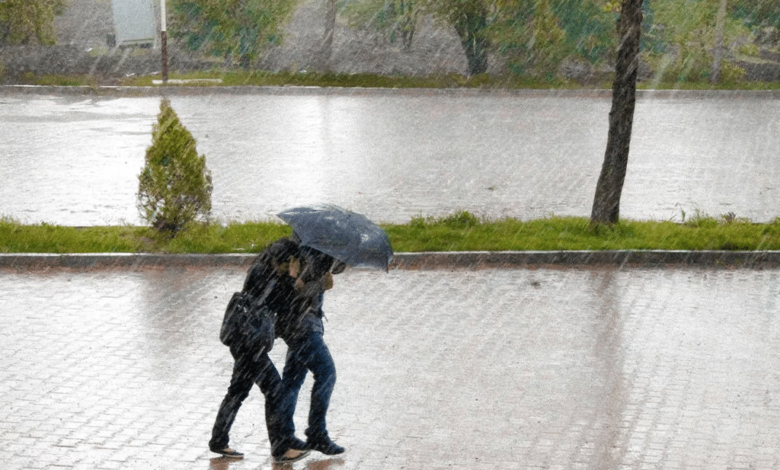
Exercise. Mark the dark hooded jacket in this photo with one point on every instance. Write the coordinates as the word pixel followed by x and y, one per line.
pixel 305 313
pixel 271 266
pixel 296 312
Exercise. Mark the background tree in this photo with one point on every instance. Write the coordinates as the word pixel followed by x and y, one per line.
pixel 174 187
pixel 239 30
pixel 471 19
pixel 28 21
pixel 756 13
pixel 406 15
pixel 395 20
pixel 398 18
pixel 535 36
pixel 687 34
pixel 720 25
pixel 326 48
pixel 606 203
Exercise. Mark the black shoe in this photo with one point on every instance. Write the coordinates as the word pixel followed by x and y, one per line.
pixel 324 445
pixel 283 459
pixel 228 452
pixel 288 443
pixel 296 444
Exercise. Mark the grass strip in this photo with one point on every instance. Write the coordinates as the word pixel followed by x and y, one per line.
pixel 461 231
pixel 234 77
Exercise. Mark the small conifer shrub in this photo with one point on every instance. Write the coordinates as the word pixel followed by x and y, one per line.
pixel 174 187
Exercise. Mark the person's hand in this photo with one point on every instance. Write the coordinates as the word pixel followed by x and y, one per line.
pixel 295 267
pixel 327 281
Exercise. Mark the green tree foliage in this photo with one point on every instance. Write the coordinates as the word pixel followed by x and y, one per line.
pixel 239 30
pixel 684 34
pixel 530 35
pixel 535 36
pixel 395 19
pixel 471 19
pixel 28 21
pixel 174 187
pixel 589 28
pixel 756 13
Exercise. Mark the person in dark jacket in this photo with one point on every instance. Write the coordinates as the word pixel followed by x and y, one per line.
pixel 302 329
pixel 270 282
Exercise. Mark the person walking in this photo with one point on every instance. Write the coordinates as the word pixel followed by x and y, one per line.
pixel 270 286
pixel 303 331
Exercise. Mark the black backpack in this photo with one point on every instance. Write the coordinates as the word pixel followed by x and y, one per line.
pixel 248 324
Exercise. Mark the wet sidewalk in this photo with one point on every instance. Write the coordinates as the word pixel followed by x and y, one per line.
pixel 590 368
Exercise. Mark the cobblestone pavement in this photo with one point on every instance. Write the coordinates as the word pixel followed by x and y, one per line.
pixel 479 369
pixel 392 155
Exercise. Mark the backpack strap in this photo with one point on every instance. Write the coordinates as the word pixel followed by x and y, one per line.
pixel 259 301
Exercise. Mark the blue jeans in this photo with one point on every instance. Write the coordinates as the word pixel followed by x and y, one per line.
pixel 308 353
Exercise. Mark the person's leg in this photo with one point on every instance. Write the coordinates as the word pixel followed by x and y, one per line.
pixel 293 375
pixel 240 384
pixel 271 385
pixel 319 361
pixel 311 353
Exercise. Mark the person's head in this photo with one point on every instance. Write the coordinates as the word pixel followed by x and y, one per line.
pixel 281 253
pixel 314 264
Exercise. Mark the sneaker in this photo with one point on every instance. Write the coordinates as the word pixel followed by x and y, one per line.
pixel 228 452
pixel 324 445
pixel 292 455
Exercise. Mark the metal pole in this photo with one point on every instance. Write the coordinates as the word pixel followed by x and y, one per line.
pixel 164 42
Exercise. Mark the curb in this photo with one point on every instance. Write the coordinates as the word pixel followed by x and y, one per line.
pixel 419 261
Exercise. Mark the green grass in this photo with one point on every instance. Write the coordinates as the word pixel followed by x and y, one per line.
pixel 260 78
pixel 461 231
pixel 30 78
pixel 237 78
pixel 484 81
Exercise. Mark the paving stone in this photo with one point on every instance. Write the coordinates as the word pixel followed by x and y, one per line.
pixel 588 368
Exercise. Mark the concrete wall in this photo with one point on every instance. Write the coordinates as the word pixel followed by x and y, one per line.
pixel 85 24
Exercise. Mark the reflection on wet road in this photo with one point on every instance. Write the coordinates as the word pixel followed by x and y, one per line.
pixel 541 368
pixel 393 155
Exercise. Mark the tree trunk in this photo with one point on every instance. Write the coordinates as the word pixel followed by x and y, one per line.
pixel 326 49
pixel 408 23
pixel 471 30
pixel 606 203
pixel 245 61
pixel 476 55
pixel 720 25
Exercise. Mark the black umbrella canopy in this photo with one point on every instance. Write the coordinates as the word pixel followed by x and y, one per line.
pixel 347 236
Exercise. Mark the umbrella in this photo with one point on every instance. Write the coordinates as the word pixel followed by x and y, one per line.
pixel 347 236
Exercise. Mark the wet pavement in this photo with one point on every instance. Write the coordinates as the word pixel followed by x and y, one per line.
pixel 538 368
pixel 609 367
pixel 74 158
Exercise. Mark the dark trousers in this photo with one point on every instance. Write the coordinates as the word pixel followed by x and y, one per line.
pixel 246 372
pixel 308 353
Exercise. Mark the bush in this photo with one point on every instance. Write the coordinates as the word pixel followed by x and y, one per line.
pixel 174 186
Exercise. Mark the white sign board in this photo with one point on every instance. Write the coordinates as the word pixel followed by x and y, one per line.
pixel 134 22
